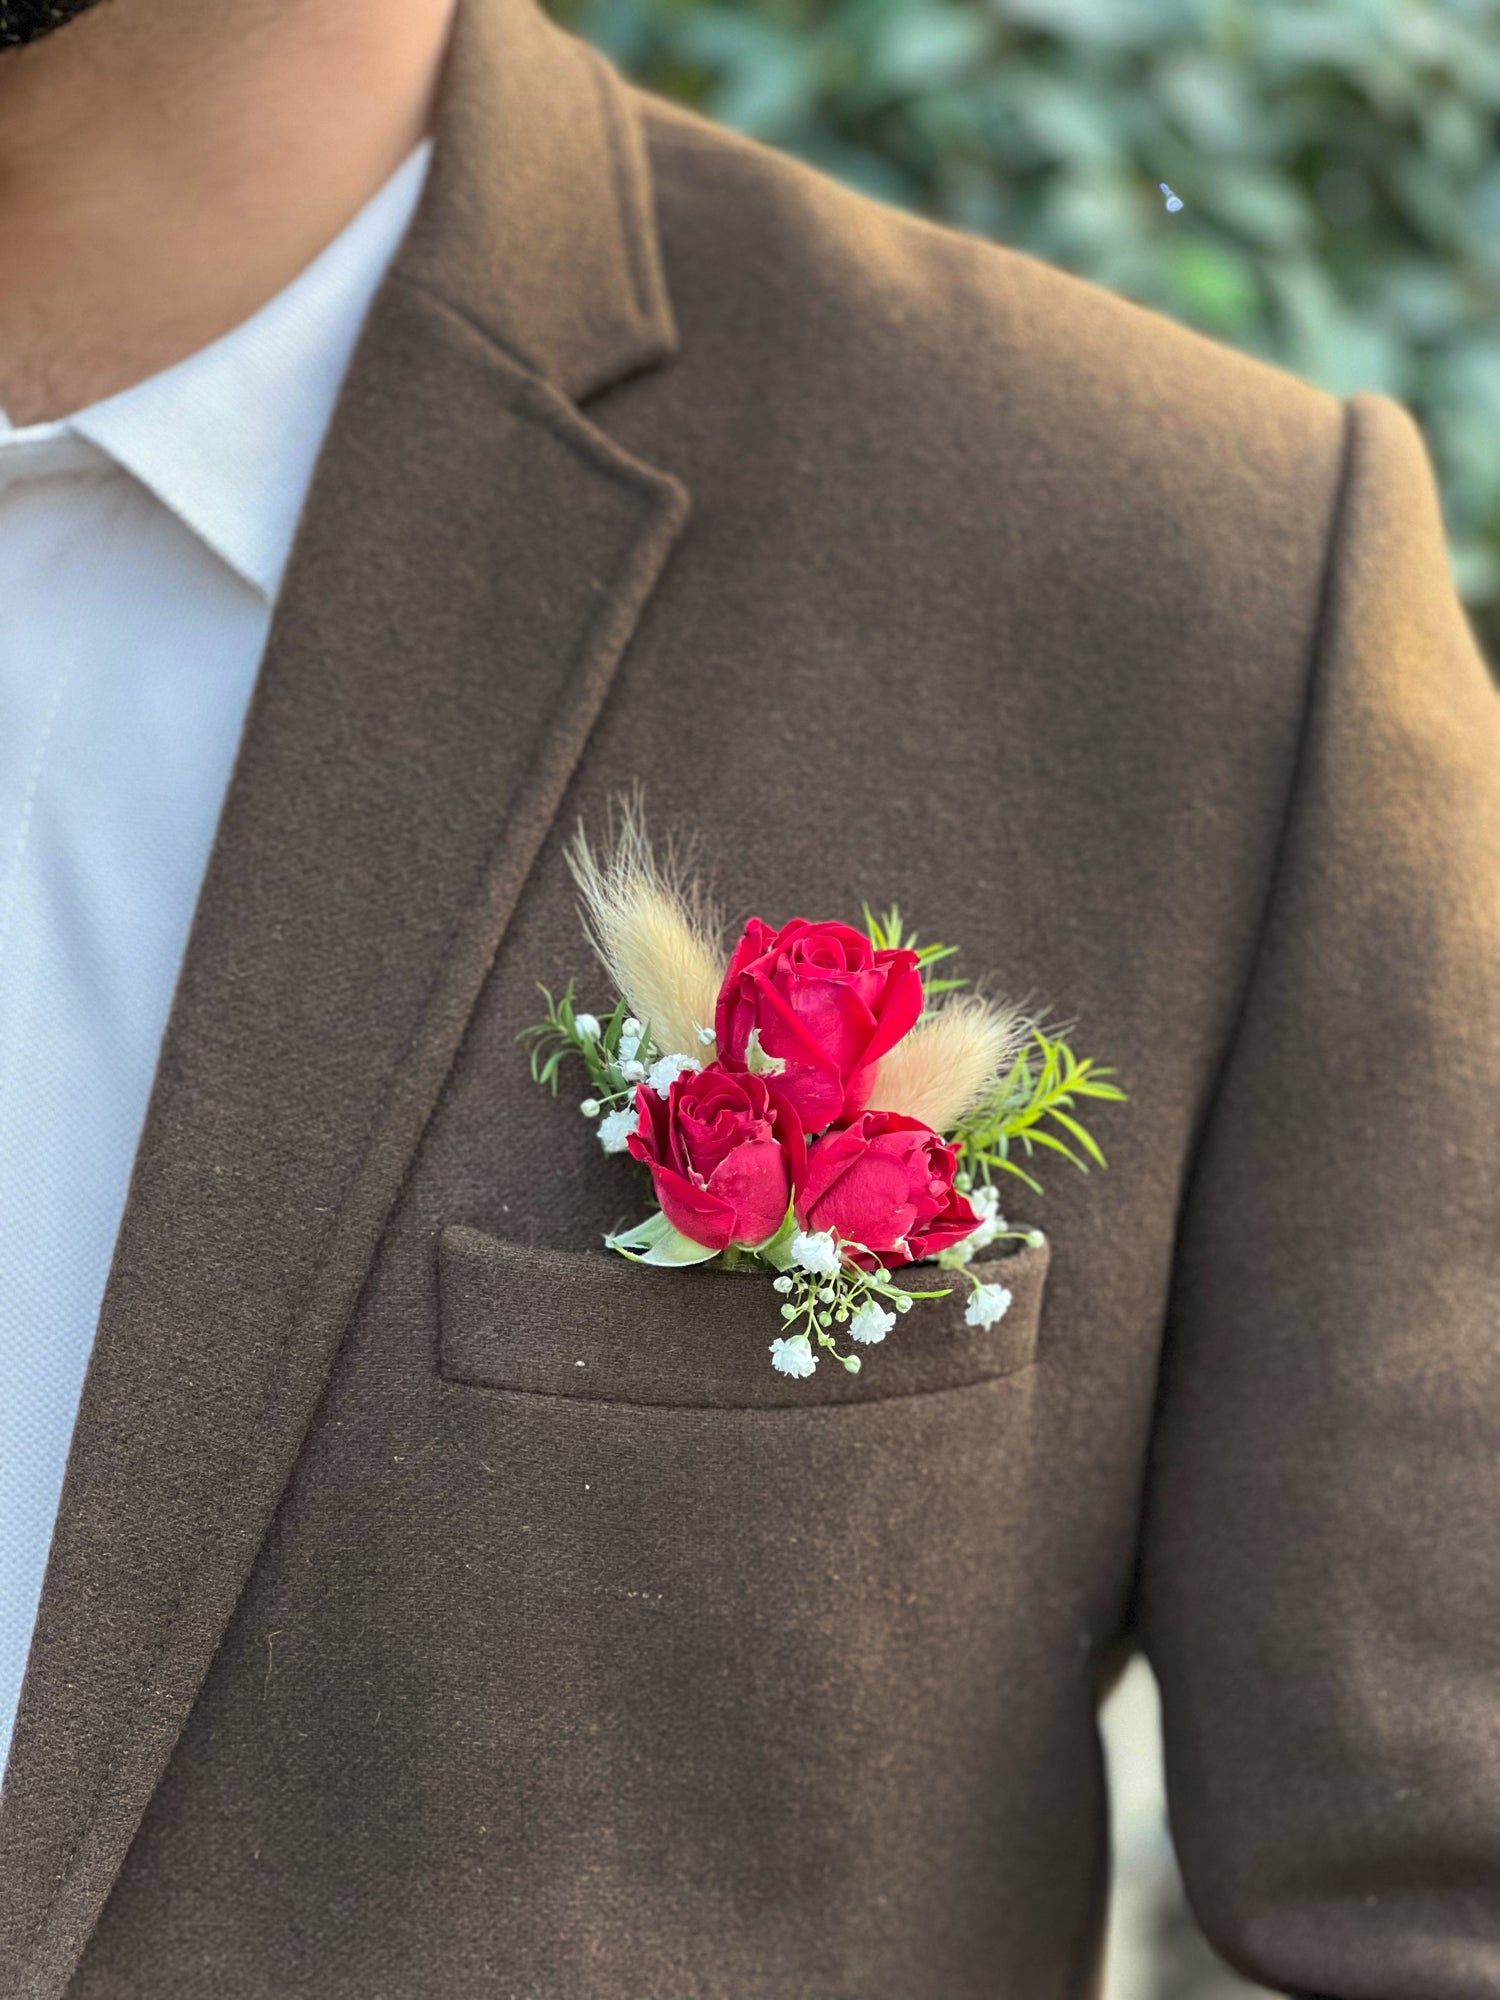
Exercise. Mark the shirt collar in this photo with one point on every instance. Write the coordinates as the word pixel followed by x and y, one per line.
pixel 228 437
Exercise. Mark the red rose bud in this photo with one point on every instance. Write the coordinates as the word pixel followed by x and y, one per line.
pixel 825 1002
pixel 887 1182
pixel 725 1152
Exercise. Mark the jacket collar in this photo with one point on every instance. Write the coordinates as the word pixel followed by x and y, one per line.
pixel 537 222
pixel 472 559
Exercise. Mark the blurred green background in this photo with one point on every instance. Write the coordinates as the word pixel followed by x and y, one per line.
pixel 1336 161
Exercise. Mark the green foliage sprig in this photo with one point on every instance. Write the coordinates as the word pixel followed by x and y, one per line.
pixel 886 934
pixel 1044 1082
pixel 565 1032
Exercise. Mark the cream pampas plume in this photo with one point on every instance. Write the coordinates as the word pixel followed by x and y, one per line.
pixel 948 1061
pixel 657 935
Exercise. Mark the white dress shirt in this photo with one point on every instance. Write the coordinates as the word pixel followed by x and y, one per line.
pixel 142 545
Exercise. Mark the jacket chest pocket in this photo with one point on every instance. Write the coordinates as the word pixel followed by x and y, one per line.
pixel 710 1639
pixel 589 1324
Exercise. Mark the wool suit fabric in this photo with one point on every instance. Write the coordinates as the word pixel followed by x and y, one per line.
pixel 440 1606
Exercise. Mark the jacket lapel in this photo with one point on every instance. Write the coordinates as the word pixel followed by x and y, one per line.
pixel 471 562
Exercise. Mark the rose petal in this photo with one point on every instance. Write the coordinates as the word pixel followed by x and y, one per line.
pixel 755 1184
pixel 697 1212
pixel 835 1020
pixel 787 1127
pixel 899 1008
pixel 826 1160
pixel 869 1201
pixel 781 1030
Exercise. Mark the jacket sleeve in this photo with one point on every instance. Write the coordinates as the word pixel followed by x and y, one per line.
pixel 1319 1582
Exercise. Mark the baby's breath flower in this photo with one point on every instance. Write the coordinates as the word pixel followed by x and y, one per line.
pixel 633 1071
pixel 586 1025
pixel 988 1303
pixel 705 1035
pixel 616 1128
pixel 816 1251
pixel 794 1356
pixel 590 1107
pixel 985 1201
pixel 904 1302
pixel 665 1071
pixel 781 1284
pixel 871 1322
pixel 1035 1238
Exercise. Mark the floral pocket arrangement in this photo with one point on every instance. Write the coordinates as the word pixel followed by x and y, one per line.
pixel 806 1106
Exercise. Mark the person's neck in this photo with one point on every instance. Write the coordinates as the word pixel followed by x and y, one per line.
pixel 156 188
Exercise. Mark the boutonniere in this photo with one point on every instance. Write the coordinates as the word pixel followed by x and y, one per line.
pixel 804 1109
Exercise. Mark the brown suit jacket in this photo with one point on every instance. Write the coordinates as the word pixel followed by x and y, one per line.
pixel 440 1606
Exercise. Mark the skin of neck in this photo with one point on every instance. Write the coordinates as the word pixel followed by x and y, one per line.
pixel 167 166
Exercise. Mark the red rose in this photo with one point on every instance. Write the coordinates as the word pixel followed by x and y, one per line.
pixel 887 1181
pixel 725 1152
pixel 826 1002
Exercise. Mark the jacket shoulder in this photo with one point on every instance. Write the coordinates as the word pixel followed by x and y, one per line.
pixel 793 274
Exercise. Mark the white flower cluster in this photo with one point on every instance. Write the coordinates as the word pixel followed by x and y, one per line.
pixel 665 1071
pixel 871 1322
pixel 627 1052
pixel 816 1251
pixel 794 1356
pixel 987 1303
pixel 615 1128
pixel 825 1290
pixel 985 1201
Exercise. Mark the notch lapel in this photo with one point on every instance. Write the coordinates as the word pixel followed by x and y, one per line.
pixel 471 562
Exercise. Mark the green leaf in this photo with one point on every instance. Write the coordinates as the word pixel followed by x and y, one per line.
pixel 777 1249
pixel 655 1241
pixel 921 48
pixel 609 1038
pixel 1053 1145
pixel 1084 1139
pixel 642 1235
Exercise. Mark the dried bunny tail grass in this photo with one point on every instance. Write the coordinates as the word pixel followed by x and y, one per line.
pixel 948 1061
pixel 656 933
